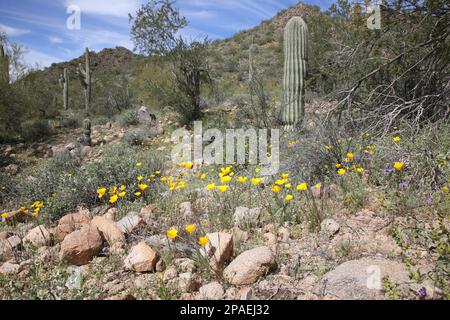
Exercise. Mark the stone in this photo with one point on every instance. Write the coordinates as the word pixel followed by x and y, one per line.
pixel 72 222
pixel 284 234
pixel 8 246
pixel 245 217
pixel 245 294
pixel 111 214
pixel 270 239
pixel 329 227
pixel 186 282
pixel 186 210
pixel 219 249
pixel 11 170
pixel 109 231
pixel 79 247
pixel 130 223
pixel 184 265
pixel 249 266
pixel 145 116
pixel 148 210
pixel 239 235
pixel 48 254
pixel 142 258
pixel 86 151
pixel 170 274
pixel 361 279
pixel 211 291
pixel 9 268
pixel 4 235
pixel 38 237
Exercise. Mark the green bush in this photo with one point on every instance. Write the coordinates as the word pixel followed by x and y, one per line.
pixel 128 118
pixel 35 130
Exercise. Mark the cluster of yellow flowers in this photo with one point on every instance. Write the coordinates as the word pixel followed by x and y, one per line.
pixel 190 229
pixel 34 210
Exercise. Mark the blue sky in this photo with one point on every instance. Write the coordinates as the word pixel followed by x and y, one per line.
pixel 40 25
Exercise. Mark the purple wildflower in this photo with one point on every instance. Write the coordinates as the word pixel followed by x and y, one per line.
pixel 423 293
pixel 403 184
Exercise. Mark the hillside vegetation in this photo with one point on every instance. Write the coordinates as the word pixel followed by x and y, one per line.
pixel 92 206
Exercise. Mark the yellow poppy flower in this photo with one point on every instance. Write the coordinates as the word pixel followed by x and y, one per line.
pixel 122 194
pixel 189 165
pixel 446 189
pixel 256 181
pixel 139 164
pixel 222 188
pixel 359 170
pixel 172 233
pixel 242 179
pixel 257 170
pixel 276 189
pixel 350 156
pixel 138 194
pixel 399 166
pixel 140 178
pixel 203 241
pixel 302 187
pixel 328 147
pixel 285 176
pixel 289 197
pixel 113 199
pixel 338 165
pixel 203 177
pixel 211 186
pixel 396 139
pixel 225 179
pixel 101 192
pixel 341 172
pixel 122 188
pixel 142 186
pixel 190 228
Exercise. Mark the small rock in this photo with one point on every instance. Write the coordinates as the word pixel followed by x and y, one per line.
pixel 11 170
pixel 186 282
pixel 38 237
pixel 211 291
pixel 330 227
pixel 130 223
pixel 9 268
pixel 249 266
pixel 184 265
pixel 4 235
pixel 219 249
pixel 186 210
pixel 111 214
pixel 245 217
pixel 8 246
pixel 72 222
pixel 239 235
pixel 245 294
pixel 79 247
pixel 270 239
pixel 169 274
pixel 284 234
pixel 148 210
pixel 109 230
pixel 141 258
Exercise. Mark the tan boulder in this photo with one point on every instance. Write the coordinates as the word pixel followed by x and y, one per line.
pixel 219 249
pixel 249 266
pixel 79 247
pixel 38 237
pixel 109 230
pixel 142 258
pixel 72 222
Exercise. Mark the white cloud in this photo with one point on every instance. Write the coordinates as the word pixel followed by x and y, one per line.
pixel 55 40
pixel 13 32
pixel 115 8
pixel 37 58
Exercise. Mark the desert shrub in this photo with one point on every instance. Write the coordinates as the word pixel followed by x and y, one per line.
pixel 128 118
pixel 7 189
pixel 35 130
pixel 134 137
pixel 63 187
pixel 71 121
pixel 100 120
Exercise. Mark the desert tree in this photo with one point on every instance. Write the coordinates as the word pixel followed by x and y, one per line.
pixel 155 32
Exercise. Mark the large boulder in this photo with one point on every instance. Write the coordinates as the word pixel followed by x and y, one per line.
pixel 79 247
pixel 249 266
pixel 362 279
pixel 72 222
pixel 142 258
pixel 38 237
pixel 219 249
pixel 9 268
pixel 130 223
pixel 110 231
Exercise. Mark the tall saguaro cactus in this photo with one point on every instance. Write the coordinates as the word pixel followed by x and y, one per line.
pixel 4 65
pixel 64 84
pixel 295 60
pixel 85 79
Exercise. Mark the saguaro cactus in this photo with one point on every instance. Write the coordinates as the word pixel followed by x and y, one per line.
pixel 86 138
pixel 4 64
pixel 64 84
pixel 85 79
pixel 295 60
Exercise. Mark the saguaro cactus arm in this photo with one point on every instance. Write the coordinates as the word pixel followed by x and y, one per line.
pixel 4 64
pixel 295 61
pixel 84 75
